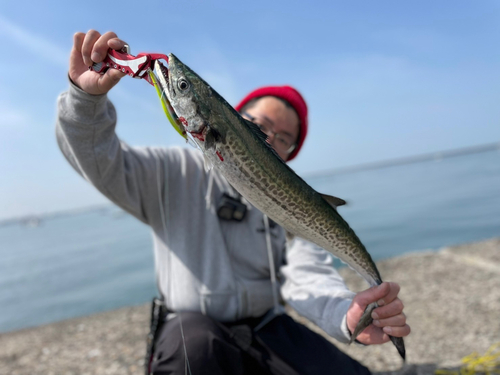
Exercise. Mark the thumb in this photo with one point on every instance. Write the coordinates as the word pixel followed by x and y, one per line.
pixel 110 79
pixel 374 294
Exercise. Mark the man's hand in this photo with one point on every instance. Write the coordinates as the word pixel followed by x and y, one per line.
pixel 92 48
pixel 388 318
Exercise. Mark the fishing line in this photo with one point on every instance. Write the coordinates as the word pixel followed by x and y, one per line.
pixel 192 143
pixel 186 360
pixel 187 367
pixel 208 196
pixel 271 262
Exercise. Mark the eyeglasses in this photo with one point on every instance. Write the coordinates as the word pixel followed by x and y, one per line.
pixel 283 143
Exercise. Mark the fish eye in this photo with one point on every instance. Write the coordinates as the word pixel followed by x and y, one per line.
pixel 182 84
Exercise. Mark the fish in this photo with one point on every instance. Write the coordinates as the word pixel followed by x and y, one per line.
pixel 237 148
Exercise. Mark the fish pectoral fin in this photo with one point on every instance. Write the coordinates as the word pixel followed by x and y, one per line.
pixel 212 137
pixel 207 163
pixel 333 201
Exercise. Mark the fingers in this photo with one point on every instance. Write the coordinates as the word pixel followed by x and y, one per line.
pixel 391 319
pixel 110 79
pixel 76 64
pixel 78 41
pixel 101 47
pixel 392 309
pixel 116 43
pixel 368 296
pixel 392 293
pixel 397 320
pixel 398 331
pixel 88 45
pixel 388 318
pixel 382 294
pixel 89 48
pixel 95 46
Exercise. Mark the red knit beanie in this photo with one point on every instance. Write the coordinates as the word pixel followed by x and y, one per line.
pixel 293 97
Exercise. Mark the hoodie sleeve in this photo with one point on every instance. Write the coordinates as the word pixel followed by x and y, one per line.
pixel 85 131
pixel 314 288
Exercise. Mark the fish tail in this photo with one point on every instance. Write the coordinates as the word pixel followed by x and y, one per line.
pixel 400 346
pixel 397 341
pixel 366 319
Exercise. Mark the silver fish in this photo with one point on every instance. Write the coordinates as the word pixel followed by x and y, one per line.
pixel 238 149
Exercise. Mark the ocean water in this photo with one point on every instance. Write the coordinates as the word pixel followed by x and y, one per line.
pixel 81 263
pixel 420 206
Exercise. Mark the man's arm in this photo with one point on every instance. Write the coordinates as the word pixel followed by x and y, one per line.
pixel 315 289
pixel 85 132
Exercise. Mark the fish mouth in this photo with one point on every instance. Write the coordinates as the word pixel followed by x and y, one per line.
pixel 171 65
pixel 162 74
pixel 197 130
pixel 167 79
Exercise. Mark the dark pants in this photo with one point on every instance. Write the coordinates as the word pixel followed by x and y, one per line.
pixel 283 347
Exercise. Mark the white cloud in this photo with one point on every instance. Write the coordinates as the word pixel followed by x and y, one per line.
pixel 38 45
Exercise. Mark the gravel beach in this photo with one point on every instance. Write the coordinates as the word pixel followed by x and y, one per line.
pixel 451 296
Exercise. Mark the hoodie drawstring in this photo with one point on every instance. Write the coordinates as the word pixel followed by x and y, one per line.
pixel 208 196
pixel 271 264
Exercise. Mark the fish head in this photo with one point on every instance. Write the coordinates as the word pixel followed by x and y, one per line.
pixel 188 93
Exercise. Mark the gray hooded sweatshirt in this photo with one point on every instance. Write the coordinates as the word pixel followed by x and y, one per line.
pixel 223 269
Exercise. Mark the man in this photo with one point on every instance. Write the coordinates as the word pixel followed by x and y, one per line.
pixel 222 277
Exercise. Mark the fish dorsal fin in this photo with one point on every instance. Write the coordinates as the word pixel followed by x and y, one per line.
pixel 333 201
pixel 254 128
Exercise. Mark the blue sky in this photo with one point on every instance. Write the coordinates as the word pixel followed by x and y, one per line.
pixel 382 79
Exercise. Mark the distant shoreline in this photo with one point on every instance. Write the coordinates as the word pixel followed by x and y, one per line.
pixel 451 296
pixel 432 156
pixel 438 155
pixel 55 214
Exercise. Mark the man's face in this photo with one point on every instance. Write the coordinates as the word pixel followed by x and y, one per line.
pixel 278 121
